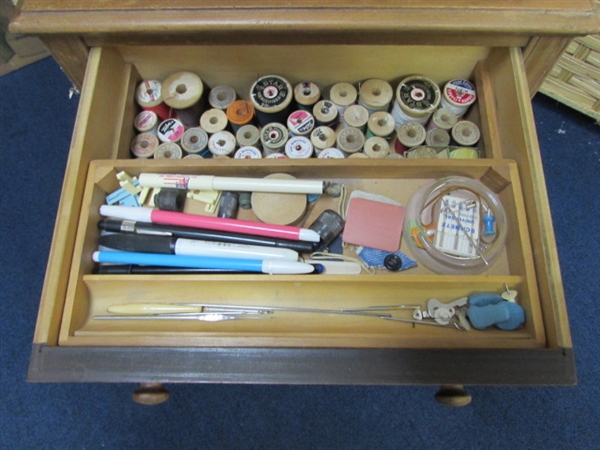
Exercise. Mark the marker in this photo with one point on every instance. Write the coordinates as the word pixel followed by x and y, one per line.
pixel 174 246
pixel 270 266
pixel 135 269
pixel 155 229
pixel 212 183
pixel 150 215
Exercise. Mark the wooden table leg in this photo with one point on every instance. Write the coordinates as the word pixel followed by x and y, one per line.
pixel 151 394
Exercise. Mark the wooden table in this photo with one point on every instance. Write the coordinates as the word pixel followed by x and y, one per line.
pixel 542 27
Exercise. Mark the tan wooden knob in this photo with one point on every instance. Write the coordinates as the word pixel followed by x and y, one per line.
pixel 453 395
pixel 151 394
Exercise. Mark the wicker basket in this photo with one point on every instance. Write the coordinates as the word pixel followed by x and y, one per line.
pixel 575 79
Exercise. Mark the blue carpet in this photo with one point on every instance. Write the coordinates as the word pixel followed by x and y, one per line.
pixel 36 119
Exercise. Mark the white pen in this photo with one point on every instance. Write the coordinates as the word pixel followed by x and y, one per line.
pixel 212 183
pixel 191 247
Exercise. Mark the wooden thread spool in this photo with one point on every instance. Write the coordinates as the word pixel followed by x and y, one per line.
pixel 240 113
pixel 437 138
pixel 466 133
pixel 376 147
pixel 343 95
pixel 222 143
pixel 422 153
pixel 144 145
pixel 183 91
pixel 356 116
pixel 220 97
pixel 458 95
pixel 272 97
pixel 146 122
pixel 322 138
pixel 213 121
pixel 306 95
pixel 375 95
pixel 350 140
pixel 278 208
pixel 194 140
pixel 381 124
pixel 248 136
pixel 326 114
pixel 168 150
pixel 443 118
pixel 409 135
pixel 417 97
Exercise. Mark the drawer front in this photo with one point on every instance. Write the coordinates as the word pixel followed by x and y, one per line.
pixel 67 331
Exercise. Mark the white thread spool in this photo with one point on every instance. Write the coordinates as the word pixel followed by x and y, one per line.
pixel 350 140
pixel 375 95
pixel 194 140
pixel 192 156
pixel 220 97
pixel 466 133
pixel 443 118
pixel 248 136
pixel 299 147
pixel 213 120
pixel 326 113
pixel 273 137
pixel 417 97
pixel 144 145
pixel 221 143
pixel 437 138
pixel 168 150
pixel 276 156
pixel 300 123
pixel 342 95
pixel 356 116
pixel 247 153
pixel 381 124
pixel 331 153
pixel 409 135
pixel 458 96
pixel 322 138
pixel 306 95
pixel 146 122
pixel 170 130
pixel 376 147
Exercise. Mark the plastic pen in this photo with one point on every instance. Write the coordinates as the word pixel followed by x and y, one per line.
pixel 155 229
pixel 270 266
pixel 150 215
pixel 190 247
pixel 212 183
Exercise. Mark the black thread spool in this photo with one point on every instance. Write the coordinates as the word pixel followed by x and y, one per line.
pixel 272 97
pixel 170 199
pixel 228 206
pixel 328 225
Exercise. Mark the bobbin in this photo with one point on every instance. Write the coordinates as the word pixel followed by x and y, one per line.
pixel 144 145
pixel 437 138
pixel 182 89
pixel 220 97
pixel 376 147
pixel 443 118
pixel 322 138
pixel 350 140
pixel 466 133
pixel 194 140
pixel 306 95
pixel 382 124
pixel 410 134
pixel 213 120
pixel 342 95
pixel 168 150
pixel 221 143
pixel 375 95
pixel 248 136
pixel 326 113
pixel 356 116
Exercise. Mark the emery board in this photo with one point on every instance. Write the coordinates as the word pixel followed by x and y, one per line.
pixel 373 223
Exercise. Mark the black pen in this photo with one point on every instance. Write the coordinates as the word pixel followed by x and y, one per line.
pixel 135 269
pixel 129 226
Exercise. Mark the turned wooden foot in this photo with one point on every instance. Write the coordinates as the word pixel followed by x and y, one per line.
pixel 150 394
pixel 453 395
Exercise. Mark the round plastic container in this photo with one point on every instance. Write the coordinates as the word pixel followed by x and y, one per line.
pixel 422 211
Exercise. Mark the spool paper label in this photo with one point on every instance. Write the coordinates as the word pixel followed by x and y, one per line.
pixel 301 122
pixel 145 120
pixel 461 92
pixel 270 92
pixel 148 91
pixel 273 136
pixel 418 95
pixel 170 130
pixel 298 147
pixel 248 153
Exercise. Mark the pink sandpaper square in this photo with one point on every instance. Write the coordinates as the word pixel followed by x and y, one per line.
pixel 374 224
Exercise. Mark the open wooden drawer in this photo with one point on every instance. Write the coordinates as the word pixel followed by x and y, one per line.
pixel 71 346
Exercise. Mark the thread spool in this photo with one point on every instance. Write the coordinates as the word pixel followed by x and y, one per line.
pixel 272 97
pixel 194 140
pixel 170 130
pixel 356 116
pixel 331 153
pixel 376 147
pixel 248 136
pixel 465 133
pixel 298 147
pixel 458 96
pixel 168 150
pixel 183 91
pixel 358 155
pixel 375 95
pixel 192 156
pixel 437 138
pixel 464 153
pixel 240 113
pixel 306 95
pixel 422 152
pixel 417 97
pixel 300 123
pixel 382 124
pixel 326 114
pixel 220 97
pixel 213 120
pixel 322 138
pixel 148 95
pixel 443 118
pixel 273 137
pixel 278 208
pixel 221 143
pixel 342 95
pixel 146 122
pixel 170 199
pixel 350 140
pixel 144 145
pixel 410 134
pixel 247 153
pixel 276 156
pixel 228 205
pixel 328 226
